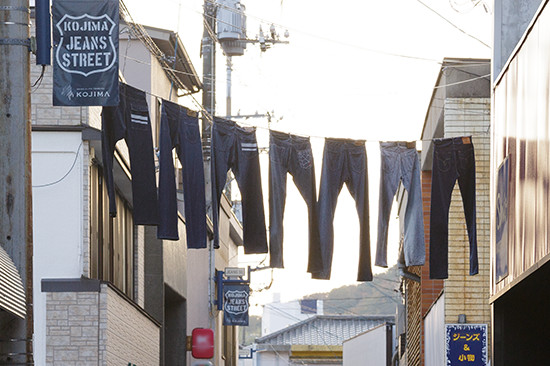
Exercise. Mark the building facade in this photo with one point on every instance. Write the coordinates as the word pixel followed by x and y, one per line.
pixel 520 249
pixel 460 106
pixel 107 291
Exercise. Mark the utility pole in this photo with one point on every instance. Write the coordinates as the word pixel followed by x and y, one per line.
pixel 208 53
pixel 15 172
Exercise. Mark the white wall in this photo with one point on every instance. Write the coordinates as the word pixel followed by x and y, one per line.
pixel 57 218
pixel 271 358
pixel 434 334
pixel 277 315
pixel 369 346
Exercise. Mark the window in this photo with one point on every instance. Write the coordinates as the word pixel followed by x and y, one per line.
pixel 111 239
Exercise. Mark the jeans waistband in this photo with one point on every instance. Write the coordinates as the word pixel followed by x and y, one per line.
pixel 405 144
pixel 346 144
pixel 229 126
pixel 281 138
pixel 132 94
pixel 453 141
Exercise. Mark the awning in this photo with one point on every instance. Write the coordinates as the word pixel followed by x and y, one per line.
pixel 12 292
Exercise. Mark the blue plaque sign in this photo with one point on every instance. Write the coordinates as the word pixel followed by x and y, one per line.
pixel 235 304
pixel 466 344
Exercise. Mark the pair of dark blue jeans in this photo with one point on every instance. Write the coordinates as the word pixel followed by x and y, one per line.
pixel 399 162
pixel 291 154
pixel 130 121
pixel 344 161
pixel 453 159
pixel 179 128
pixel 236 148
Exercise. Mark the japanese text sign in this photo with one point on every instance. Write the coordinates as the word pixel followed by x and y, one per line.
pixel 85 52
pixel 466 344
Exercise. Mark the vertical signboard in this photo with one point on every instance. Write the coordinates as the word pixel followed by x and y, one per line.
pixel 85 52
pixel 501 250
pixel 466 344
pixel 235 304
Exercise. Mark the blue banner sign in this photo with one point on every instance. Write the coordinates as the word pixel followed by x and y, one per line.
pixel 235 304
pixel 85 52
pixel 466 344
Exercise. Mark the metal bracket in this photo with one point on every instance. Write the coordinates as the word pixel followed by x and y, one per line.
pixel 16 8
pixel 15 42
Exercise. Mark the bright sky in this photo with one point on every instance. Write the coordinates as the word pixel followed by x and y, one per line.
pixel 340 76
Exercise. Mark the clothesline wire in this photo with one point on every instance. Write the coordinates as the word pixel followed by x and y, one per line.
pixel 210 119
pixel 244 124
pixel 327 137
pixel 207 78
pixel 207 117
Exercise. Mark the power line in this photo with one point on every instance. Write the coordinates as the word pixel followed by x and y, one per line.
pixel 66 174
pixel 347 44
pixel 463 81
pixel 454 25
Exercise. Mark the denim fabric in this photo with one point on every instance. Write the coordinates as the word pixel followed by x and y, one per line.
pixel 453 159
pixel 291 154
pixel 130 120
pixel 400 162
pixel 179 128
pixel 235 147
pixel 344 161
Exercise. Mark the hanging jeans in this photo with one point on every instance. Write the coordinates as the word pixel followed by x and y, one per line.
pixel 179 129
pixel 399 162
pixel 344 161
pixel 130 121
pixel 453 159
pixel 291 154
pixel 235 147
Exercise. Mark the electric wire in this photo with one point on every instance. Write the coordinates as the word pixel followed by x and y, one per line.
pixel 66 174
pixel 316 35
pixel 454 25
pixel 39 79
pixel 345 43
pixel 453 5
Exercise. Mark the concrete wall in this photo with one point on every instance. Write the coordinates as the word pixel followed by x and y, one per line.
pixel 512 19
pixel 434 334
pixel 58 223
pixel 98 328
pixel 130 337
pixel 272 358
pixel 368 347
pixel 72 329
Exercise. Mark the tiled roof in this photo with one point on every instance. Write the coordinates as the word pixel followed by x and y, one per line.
pixel 324 330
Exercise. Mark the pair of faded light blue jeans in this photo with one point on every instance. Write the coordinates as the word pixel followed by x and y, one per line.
pixel 400 163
